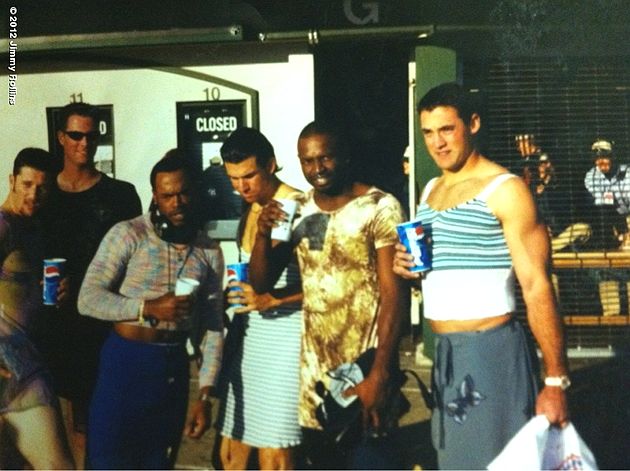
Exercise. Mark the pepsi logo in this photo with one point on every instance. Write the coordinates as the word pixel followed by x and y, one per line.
pixel 51 271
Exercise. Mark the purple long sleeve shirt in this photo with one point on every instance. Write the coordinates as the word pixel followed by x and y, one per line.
pixel 133 264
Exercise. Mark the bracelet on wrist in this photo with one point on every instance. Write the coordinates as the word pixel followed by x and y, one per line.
pixel 141 312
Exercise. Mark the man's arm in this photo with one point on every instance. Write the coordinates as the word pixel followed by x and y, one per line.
pixel 591 182
pixel 252 301
pixel 98 296
pixel 623 196
pixel 200 415
pixel 211 310
pixel 372 391
pixel 211 307
pixel 529 247
pixel 268 257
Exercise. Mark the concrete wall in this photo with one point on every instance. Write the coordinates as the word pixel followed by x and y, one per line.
pixel 145 115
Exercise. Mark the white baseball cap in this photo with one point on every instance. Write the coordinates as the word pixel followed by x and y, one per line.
pixel 602 147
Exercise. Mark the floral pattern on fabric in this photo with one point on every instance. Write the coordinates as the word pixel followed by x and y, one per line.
pixel 337 256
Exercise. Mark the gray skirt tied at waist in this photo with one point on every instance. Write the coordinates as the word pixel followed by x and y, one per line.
pixel 484 386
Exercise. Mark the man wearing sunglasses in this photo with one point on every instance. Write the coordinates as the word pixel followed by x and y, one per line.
pixel 85 203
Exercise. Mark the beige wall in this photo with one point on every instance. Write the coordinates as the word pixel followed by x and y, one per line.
pixel 144 111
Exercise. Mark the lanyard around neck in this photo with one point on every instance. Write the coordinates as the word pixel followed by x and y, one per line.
pixel 179 272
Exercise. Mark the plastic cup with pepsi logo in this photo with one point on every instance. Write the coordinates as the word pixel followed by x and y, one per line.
pixel 416 237
pixel 237 272
pixel 53 272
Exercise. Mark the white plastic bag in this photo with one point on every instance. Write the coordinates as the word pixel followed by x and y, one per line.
pixel 566 450
pixel 539 446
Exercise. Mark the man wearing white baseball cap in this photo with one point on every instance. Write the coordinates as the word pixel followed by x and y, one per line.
pixel 602 146
pixel 608 183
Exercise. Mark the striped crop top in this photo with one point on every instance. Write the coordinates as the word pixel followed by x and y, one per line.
pixel 472 275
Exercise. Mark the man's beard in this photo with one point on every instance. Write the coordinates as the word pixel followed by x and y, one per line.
pixel 180 234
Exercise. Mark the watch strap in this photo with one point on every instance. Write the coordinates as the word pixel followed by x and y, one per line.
pixel 562 382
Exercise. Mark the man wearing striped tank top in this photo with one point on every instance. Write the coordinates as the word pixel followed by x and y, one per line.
pixel 485 233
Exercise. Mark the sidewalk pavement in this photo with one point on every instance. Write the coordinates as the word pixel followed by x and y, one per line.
pixel 414 433
pixel 599 403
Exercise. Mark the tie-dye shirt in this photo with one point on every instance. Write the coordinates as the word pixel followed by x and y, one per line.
pixel 336 251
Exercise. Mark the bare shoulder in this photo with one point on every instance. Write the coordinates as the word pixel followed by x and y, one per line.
pixel 514 185
pixel 484 172
pixel 488 169
pixel 512 199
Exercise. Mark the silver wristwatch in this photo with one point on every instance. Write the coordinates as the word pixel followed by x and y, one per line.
pixel 562 382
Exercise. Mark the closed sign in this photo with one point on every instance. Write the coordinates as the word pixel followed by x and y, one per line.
pixel 216 124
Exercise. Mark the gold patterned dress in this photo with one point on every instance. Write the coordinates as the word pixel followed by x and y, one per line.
pixel 336 251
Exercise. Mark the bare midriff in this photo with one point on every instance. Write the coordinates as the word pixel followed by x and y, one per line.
pixel 472 325
pixel 148 334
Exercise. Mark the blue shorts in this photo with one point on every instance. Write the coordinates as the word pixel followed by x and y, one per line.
pixel 138 410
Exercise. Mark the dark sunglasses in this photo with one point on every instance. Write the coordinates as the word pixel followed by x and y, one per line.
pixel 78 135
